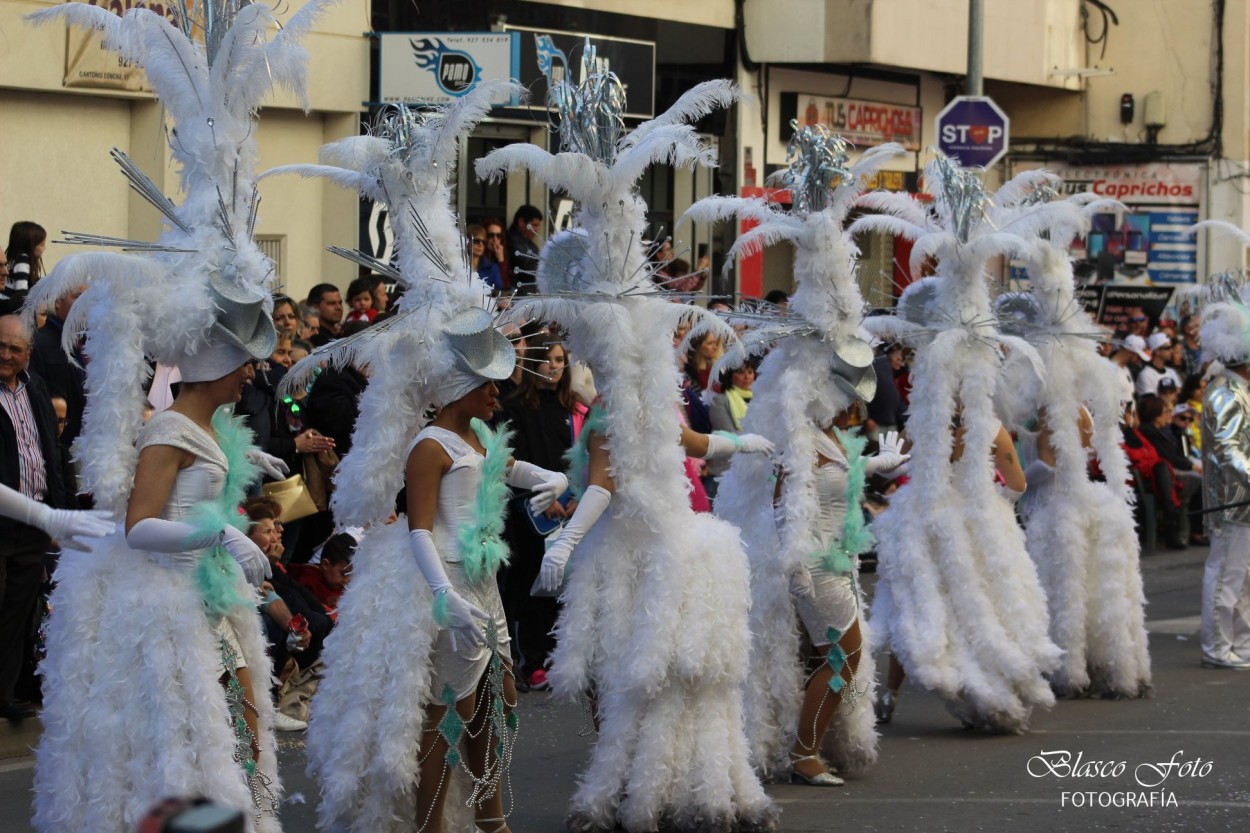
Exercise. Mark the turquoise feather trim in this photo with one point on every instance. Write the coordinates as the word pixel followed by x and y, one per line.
pixel 216 574
pixel 577 458
pixel 856 538
pixel 481 546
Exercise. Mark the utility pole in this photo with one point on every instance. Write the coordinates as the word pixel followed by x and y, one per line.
pixel 976 31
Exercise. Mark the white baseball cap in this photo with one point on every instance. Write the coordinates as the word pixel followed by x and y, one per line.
pixel 1158 341
pixel 1137 344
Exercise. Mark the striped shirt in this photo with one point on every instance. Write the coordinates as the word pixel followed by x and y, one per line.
pixel 33 478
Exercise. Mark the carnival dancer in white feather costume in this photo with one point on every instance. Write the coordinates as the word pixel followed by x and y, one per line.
pixel 1080 532
pixel 146 625
pixel 804 551
pixel 655 610
pixel 959 601
pixel 399 694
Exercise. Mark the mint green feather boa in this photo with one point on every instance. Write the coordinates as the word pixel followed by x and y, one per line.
pixel 217 574
pixel 856 538
pixel 481 547
pixel 577 458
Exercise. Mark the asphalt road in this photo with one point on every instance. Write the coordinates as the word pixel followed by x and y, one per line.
pixel 1187 750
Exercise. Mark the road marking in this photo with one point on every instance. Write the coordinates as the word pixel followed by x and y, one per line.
pixel 1187 625
pixel 18 765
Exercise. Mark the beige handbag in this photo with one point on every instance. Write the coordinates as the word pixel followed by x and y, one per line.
pixel 293 496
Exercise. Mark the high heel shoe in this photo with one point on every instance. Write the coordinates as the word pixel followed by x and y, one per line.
pixel 884 707
pixel 823 779
pixel 500 825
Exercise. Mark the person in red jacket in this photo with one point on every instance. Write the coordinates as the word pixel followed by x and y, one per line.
pixel 328 578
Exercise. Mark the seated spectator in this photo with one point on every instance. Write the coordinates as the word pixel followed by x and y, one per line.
pixel 1152 471
pixel 328 578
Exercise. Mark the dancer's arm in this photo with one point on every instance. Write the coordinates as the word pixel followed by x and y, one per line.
pixel 145 530
pixel 721 445
pixel 1008 464
pixel 427 464
pixel 594 502
pixel 59 524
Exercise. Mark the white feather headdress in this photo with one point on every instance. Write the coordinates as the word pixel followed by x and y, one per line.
pixel 405 163
pixel 164 301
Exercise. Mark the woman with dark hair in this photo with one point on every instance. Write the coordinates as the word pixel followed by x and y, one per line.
pixel 285 315
pixel 728 409
pixel 481 263
pixel 541 413
pixel 27 240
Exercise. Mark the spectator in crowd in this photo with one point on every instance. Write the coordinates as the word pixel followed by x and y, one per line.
pixel 381 295
pixel 281 355
pixel 1169 392
pixel 886 410
pixel 1191 344
pixel 27 240
pixel 300 348
pixel 1129 357
pixel 496 249
pixel 309 322
pixel 329 577
pixel 1152 471
pixel 360 299
pixel 30 465
pixel 728 409
pixel 285 315
pixel 676 276
pixel 540 412
pixel 701 357
pixel 328 301
pixel 285 600
pixel 481 264
pixel 61 373
pixel 1158 425
pixel 1191 395
pixel 1156 368
pixel 779 298
pixel 60 407
pixel 527 222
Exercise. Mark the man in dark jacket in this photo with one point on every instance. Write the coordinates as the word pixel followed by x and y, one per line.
pixel 527 222
pixel 63 375
pixel 30 464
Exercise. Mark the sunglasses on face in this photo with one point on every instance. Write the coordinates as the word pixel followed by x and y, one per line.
pixel 477 241
pixel 491 234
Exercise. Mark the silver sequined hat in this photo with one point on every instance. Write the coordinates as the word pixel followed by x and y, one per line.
pixel 480 349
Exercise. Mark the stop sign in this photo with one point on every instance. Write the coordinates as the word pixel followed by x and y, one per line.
pixel 972 130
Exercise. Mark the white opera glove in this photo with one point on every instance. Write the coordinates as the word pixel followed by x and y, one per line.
pixel 451 611
pixel 270 465
pixel 250 558
pixel 1010 495
pixel 1038 472
pixel 592 505
pixel 722 445
pixel 545 484
pixel 60 524
pixel 175 539
pixel 889 455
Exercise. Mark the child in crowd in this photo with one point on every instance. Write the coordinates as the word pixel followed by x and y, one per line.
pixel 360 298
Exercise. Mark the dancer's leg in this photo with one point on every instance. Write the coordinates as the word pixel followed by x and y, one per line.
pixel 432 766
pixel 480 744
pixel 888 700
pixel 820 703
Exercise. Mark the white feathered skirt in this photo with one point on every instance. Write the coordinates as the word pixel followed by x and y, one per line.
pixel 133 708
pixel 364 733
pixel 960 603
pixel 1085 547
pixel 657 628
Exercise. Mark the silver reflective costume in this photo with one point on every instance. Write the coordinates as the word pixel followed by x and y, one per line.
pixel 1226 449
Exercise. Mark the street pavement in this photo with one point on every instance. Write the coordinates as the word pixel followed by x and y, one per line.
pixel 1177 762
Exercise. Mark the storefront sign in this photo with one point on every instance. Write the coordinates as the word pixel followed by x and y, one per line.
pixel 862 123
pixel 633 61
pixel 88 65
pixel 440 67
pixel 1163 200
